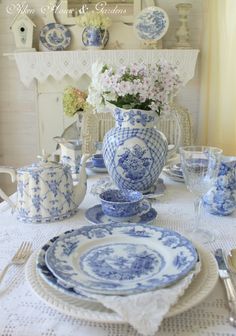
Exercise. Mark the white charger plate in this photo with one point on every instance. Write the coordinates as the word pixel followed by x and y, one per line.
pixel 199 289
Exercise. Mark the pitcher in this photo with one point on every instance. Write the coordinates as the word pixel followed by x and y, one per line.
pixel 71 153
pixel 220 200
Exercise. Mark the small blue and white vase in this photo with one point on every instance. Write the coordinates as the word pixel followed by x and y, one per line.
pixel 220 200
pixel 95 38
pixel 134 151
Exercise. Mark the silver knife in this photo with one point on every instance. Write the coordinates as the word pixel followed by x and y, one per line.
pixel 230 290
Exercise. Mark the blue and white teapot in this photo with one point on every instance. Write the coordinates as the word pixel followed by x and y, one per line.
pixel 45 190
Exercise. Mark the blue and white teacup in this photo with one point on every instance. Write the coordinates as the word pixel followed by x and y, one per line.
pixel 123 204
pixel 98 161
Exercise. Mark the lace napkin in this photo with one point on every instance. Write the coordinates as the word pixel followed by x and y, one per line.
pixel 145 311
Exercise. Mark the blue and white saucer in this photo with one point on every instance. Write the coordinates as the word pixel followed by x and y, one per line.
pixel 55 37
pixel 90 166
pixel 95 215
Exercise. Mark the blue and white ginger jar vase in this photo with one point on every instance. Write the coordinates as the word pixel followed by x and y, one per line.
pixel 220 200
pixel 134 151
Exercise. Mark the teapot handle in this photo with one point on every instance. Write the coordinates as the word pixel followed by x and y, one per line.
pixel 12 172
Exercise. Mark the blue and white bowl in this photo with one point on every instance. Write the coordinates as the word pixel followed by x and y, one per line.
pixel 98 161
pixel 123 204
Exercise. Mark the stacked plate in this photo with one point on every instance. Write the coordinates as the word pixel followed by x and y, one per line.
pixel 174 172
pixel 115 260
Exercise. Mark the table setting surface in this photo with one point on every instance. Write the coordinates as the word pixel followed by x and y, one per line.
pixel 23 313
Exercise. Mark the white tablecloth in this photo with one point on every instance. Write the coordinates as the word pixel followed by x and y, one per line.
pixel 22 313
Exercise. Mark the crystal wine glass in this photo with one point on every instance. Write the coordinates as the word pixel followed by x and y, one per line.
pixel 200 165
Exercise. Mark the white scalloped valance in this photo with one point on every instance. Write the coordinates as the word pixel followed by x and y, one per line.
pixel 41 65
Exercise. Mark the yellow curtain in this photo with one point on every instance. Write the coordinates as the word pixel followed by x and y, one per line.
pixel 217 124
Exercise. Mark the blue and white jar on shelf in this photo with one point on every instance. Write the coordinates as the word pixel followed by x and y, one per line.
pixel 134 151
pixel 94 37
pixel 220 200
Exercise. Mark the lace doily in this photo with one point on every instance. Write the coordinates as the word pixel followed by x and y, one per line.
pixel 41 65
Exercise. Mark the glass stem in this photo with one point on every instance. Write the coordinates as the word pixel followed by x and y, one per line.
pixel 197 210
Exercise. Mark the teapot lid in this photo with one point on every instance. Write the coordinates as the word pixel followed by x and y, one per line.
pixel 43 164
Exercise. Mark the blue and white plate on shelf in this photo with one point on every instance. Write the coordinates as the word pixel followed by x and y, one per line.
pixel 151 24
pixel 48 277
pixel 95 215
pixel 121 259
pixel 55 37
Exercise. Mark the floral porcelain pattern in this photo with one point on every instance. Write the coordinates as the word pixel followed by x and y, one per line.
pixel 136 261
pixel 134 151
pixel 70 153
pixel 135 162
pixel 49 278
pixel 45 194
pixel 220 200
pixel 133 118
pixel 95 37
pixel 142 248
pixel 123 204
pixel 45 190
pixel 152 23
pixel 55 36
pixel 95 215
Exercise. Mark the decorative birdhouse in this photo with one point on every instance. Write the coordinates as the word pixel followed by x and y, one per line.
pixel 23 29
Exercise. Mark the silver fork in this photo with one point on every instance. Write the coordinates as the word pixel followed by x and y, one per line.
pixel 21 256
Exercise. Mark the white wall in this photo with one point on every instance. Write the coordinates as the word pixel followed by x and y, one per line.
pixel 18 106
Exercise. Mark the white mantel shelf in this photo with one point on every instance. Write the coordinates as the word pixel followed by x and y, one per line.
pixel 40 65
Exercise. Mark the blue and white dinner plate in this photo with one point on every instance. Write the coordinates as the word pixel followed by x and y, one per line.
pixel 55 37
pixel 50 279
pixel 151 24
pixel 95 215
pixel 120 259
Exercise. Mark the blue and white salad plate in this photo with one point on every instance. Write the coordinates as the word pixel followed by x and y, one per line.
pixel 55 37
pixel 50 279
pixel 95 215
pixel 120 259
pixel 151 24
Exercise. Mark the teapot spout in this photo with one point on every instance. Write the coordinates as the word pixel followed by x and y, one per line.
pixel 81 187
